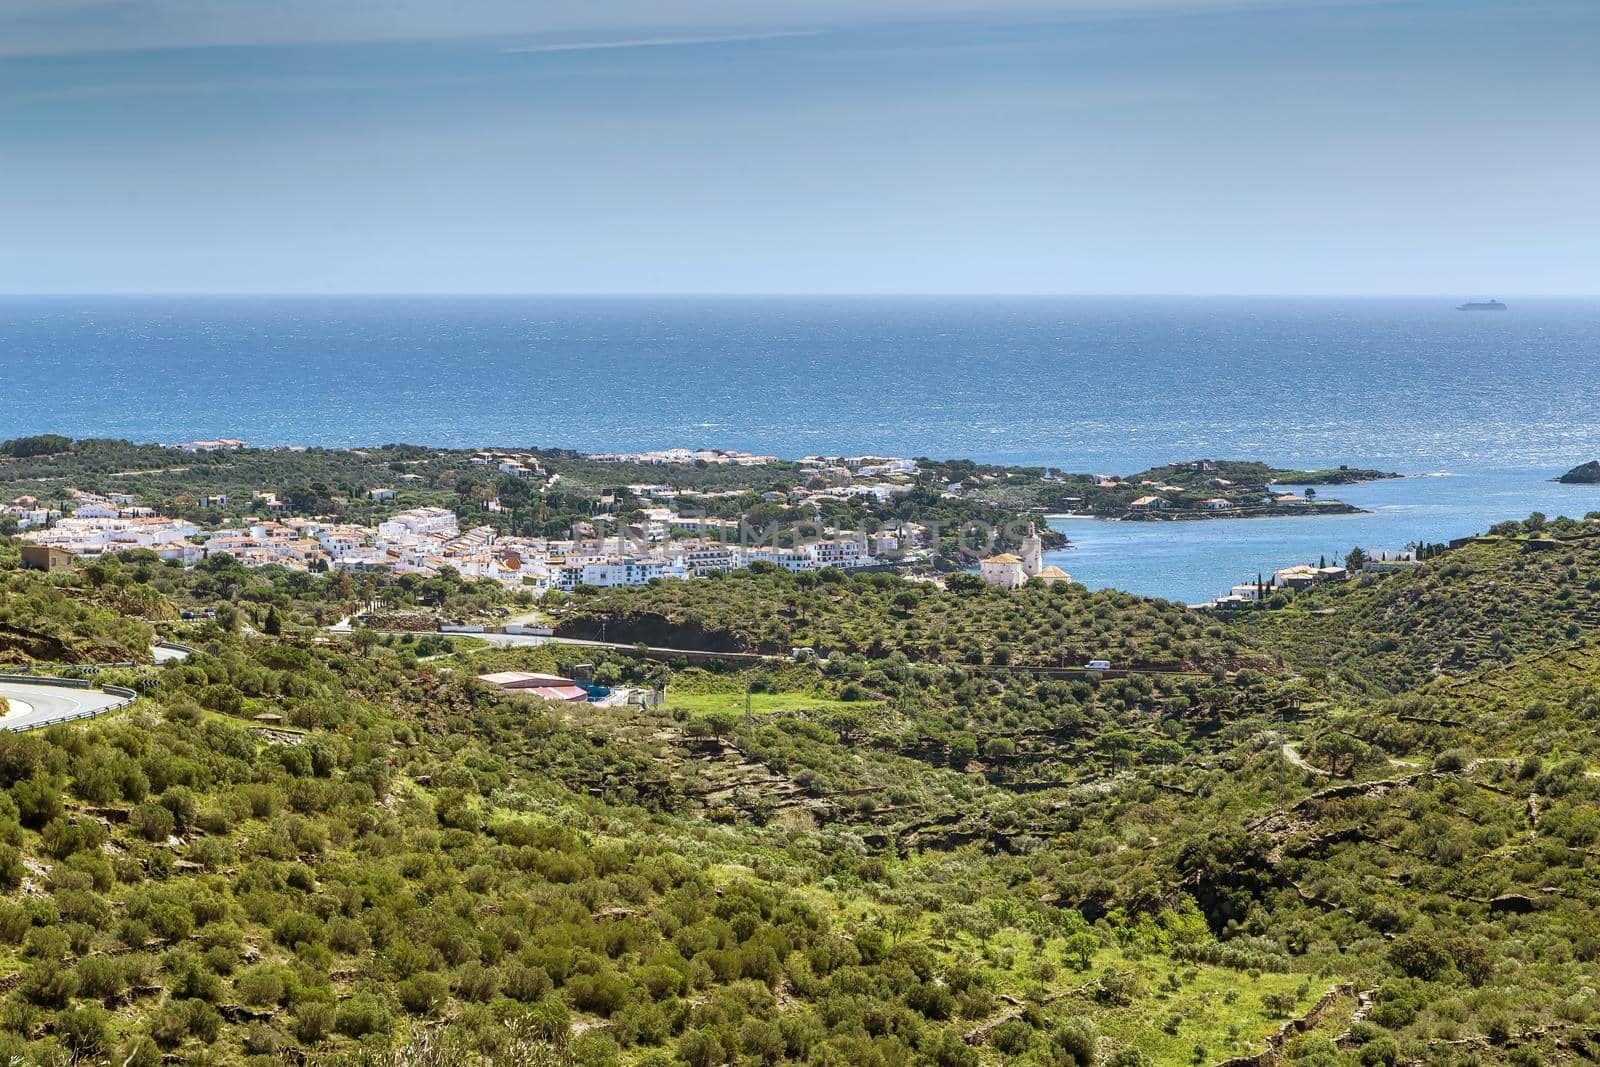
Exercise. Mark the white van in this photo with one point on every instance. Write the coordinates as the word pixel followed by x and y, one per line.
pixel 1097 665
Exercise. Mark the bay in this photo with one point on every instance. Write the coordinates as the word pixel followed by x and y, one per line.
pixel 1494 404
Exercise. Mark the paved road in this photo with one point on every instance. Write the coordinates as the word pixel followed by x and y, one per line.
pixel 35 704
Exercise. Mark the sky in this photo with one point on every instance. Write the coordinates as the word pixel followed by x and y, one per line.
pixel 834 146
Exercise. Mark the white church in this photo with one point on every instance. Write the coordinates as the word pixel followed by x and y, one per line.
pixel 1009 571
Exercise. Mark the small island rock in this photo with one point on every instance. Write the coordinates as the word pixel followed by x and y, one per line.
pixel 1583 474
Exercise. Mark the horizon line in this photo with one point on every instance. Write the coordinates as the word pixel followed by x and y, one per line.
pixel 779 294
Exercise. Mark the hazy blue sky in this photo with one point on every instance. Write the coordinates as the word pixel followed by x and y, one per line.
pixel 1408 146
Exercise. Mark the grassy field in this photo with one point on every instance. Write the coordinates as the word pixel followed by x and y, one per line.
pixel 697 704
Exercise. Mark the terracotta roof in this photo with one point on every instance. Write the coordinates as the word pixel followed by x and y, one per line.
pixel 1004 557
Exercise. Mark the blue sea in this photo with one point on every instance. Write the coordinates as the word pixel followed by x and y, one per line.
pixel 1480 409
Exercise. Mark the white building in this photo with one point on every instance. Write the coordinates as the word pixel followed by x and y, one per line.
pixel 225 444
pixel 790 559
pixel 417 522
pixel 1032 553
pixel 1003 570
pixel 344 542
pixel 705 557
pixel 840 552
pixel 1008 571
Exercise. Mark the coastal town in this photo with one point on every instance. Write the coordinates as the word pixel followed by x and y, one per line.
pixel 426 540
pixel 636 533
pixel 542 521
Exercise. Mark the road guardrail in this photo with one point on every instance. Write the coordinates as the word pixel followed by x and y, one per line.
pixel 128 697
pixel 45 679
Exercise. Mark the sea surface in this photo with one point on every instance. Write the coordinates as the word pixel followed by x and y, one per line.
pixel 1481 409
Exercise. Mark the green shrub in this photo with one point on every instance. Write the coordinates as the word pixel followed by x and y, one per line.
pixel 86 1031
pixel 38 801
pixel 100 977
pixel 1074 1043
pixel 361 1015
pixel 152 821
pixel 260 985
pixel 423 994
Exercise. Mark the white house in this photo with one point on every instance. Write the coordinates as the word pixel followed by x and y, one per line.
pixel 416 522
pixel 1003 570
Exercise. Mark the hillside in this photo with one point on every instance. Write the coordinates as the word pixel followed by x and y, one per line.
pixel 771 611
pixel 1485 603
pixel 45 621
pixel 884 860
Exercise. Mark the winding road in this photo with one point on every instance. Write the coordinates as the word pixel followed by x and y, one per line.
pixel 34 705
pixel 31 704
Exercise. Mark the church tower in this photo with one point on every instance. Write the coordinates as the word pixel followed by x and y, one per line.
pixel 1032 553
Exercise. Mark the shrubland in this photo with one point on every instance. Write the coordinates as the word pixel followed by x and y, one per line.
pixel 927 848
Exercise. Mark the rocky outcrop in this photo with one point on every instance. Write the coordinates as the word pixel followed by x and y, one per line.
pixel 1583 474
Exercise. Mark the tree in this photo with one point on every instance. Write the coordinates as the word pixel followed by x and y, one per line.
pixel 846 723
pixel 1083 945
pixel 1075 1043
pixel 1117 746
pixel 273 624
pixel 1335 748
pixel 719 723
pixel 1473 958
pixel 998 749
pixel 1418 956
pixel 1279 1004
pixel 964 583
pixel 365 640
pixel 1355 559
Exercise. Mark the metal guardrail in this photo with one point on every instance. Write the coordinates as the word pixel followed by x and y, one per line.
pixel 88 668
pixel 45 679
pixel 173 646
pixel 128 696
